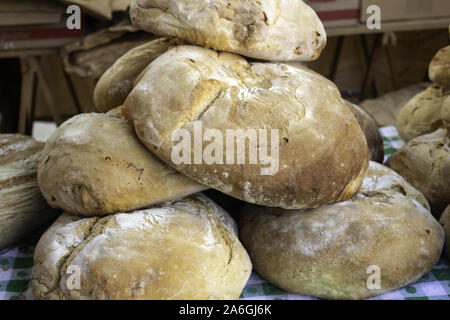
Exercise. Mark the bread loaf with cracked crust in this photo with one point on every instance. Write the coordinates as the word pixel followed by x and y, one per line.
pixel 94 165
pixel 422 114
pixel 281 30
pixel 425 163
pixel 184 249
pixel 323 153
pixel 331 252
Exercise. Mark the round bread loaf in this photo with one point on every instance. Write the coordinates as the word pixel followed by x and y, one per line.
pixel 280 30
pixel 439 70
pixel 332 252
pixel 298 145
pixel 425 163
pixel 94 165
pixel 185 249
pixel 370 128
pixel 445 221
pixel 116 83
pixel 422 114
pixel 23 210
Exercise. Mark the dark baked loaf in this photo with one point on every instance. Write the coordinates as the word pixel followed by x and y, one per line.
pixel 370 128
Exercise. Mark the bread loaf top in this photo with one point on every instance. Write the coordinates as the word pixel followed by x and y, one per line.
pixel 439 70
pixel 281 30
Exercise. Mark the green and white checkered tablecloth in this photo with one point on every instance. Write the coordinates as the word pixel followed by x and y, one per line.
pixel 16 265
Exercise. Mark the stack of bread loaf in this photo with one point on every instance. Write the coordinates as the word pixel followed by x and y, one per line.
pixel 135 225
pixel 424 123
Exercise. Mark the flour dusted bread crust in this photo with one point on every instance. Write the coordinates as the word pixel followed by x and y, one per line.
pixel 445 222
pixel 281 30
pixel 94 165
pixel 422 114
pixel 323 153
pixel 185 249
pixel 439 70
pixel 327 252
pixel 425 163
pixel 116 83
pixel 23 210
pixel 370 128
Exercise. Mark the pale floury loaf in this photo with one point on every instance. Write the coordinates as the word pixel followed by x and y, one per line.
pixel 116 83
pixel 322 151
pixel 94 165
pixel 331 252
pixel 23 210
pixel 425 163
pixel 184 249
pixel 281 30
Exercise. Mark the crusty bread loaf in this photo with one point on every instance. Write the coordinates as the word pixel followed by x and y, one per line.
pixel 445 222
pixel 94 165
pixel 281 30
pixel 445 113
pixel 370 128
pixel 425 163
pixel 116 83
pixel 439 70
pixel 323 152
pixel 23 210
pixel 184 249
pixel 422 114
pixel 332 251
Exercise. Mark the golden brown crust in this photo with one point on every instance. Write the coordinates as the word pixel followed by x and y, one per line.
pixel 281 30
pixel 116 83
pixel 323 152
pixel 184 249
pixel 94 165
pixel 327 252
